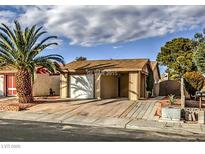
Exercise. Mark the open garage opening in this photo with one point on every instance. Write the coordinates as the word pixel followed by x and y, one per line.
pixel 114 86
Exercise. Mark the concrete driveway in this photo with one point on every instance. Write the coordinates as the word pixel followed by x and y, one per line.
pixel 107 112
pixel 118 113
pixel 114 108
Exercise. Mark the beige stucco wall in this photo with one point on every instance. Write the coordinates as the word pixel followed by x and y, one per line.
pixel 43 82
pixel 134 85
pixel 109 86
pixel 156 82
pixel 97 86
pixel 64 84
pixel 156 90
pixel 156 76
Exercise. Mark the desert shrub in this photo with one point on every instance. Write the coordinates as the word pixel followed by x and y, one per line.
pixel 172 100
pixel 194 81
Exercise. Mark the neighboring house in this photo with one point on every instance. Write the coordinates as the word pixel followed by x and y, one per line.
pixel 106 79
pixel 43 81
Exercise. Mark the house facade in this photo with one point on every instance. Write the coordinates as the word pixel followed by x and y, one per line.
pixel 103 79
pixel 43 82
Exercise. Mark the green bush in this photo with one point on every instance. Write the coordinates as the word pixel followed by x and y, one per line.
pixel 194 81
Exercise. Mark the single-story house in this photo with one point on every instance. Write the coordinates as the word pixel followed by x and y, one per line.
pixel 107 78
pixel 43 82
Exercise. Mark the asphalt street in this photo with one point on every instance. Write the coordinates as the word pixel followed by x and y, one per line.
pixel 13 130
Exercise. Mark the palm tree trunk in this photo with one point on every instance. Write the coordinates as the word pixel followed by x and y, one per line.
pixel 24 86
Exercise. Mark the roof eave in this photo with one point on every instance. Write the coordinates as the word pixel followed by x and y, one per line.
pixel 105 70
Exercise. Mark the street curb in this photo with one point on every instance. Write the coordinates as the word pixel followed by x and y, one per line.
pixel 134 124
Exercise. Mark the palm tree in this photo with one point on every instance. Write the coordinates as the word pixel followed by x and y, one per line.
pixel 19 49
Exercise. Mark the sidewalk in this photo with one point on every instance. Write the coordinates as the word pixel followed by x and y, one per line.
pixel 150 125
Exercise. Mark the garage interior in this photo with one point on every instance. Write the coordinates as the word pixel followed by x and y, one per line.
pixel 114 86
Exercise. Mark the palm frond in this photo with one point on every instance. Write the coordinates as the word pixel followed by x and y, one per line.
pixel 19 48
pixel 6 41
pixel 9 32
pixel 43 41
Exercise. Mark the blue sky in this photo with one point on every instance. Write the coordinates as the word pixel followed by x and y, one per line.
pixel 144 48
pixel 105 32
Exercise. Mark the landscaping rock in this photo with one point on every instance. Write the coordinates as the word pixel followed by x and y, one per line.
pixel 9 108
pixel 187 116
pixel 190 119
pixel 193 117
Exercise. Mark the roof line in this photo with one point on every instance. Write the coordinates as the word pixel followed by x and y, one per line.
pixel 113 59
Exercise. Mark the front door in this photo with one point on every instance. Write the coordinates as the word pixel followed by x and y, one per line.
pixel 11 85
pixel 1 85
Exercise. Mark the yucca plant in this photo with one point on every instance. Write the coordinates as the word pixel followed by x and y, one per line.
pixel 172 100
pixel 20 49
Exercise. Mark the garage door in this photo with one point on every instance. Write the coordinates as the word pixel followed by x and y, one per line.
pixel 81 86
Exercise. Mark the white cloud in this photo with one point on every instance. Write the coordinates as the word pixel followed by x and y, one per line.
pixel 94 25
pixel 117 47
pixel 7 16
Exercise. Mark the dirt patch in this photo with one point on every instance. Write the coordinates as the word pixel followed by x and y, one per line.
pixel 13 105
